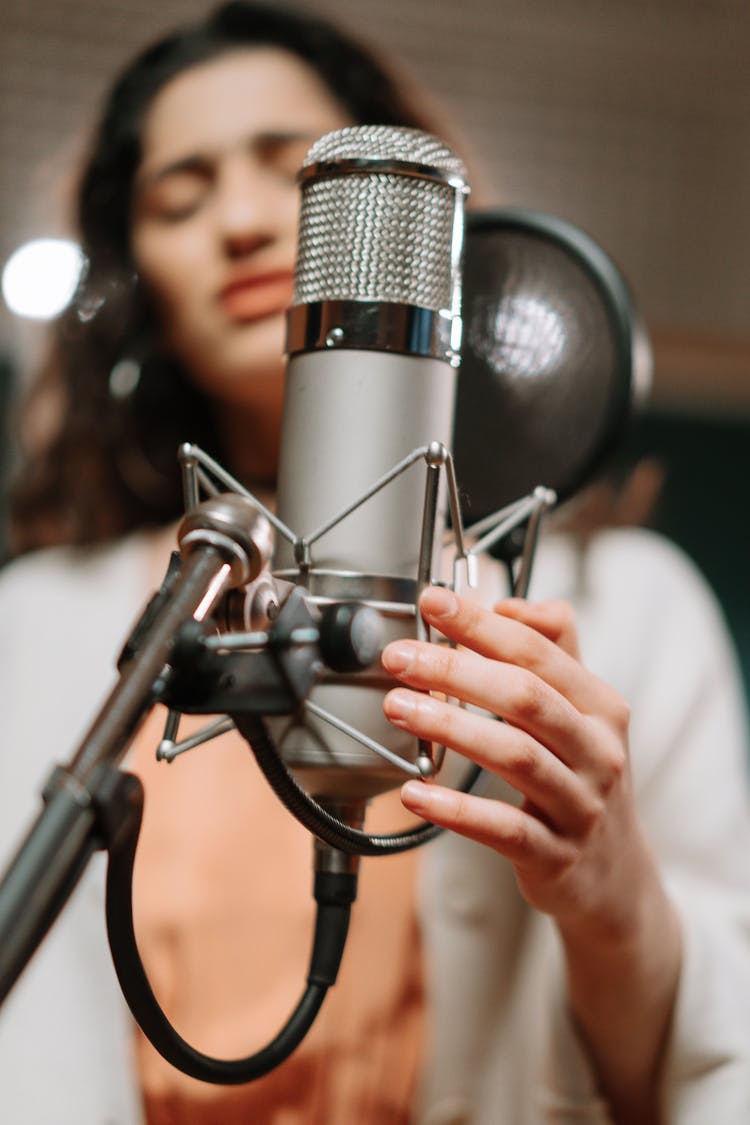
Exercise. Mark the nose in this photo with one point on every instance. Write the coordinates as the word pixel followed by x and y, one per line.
pixel 251 206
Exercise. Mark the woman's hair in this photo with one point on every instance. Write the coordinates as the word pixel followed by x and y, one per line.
pixel 101 458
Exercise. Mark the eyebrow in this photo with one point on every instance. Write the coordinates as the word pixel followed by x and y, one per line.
pixel 198 161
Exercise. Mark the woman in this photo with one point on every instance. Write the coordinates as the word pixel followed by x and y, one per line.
pixel 599 975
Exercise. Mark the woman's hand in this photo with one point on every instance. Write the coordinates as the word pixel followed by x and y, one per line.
pixel 563 747
pixel 575 841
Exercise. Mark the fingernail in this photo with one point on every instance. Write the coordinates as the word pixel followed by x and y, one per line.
pixel 415 796
pixel 429 801
pixel 400 705
pixel 397 657
pixel 438 602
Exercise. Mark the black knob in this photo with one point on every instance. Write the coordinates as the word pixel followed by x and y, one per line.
pixel 351 636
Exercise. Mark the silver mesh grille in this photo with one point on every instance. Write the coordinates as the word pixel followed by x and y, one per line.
pixel 370 235
pixel 384 142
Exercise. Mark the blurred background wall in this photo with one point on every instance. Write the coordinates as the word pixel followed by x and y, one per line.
pixel 626 117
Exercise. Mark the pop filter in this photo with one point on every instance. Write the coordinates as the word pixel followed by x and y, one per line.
pixel 551 346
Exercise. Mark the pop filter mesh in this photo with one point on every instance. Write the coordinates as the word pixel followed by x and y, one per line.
pixel 546 378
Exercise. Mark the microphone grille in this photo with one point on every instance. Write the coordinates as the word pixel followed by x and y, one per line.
pixel 385 142
pixel 377 218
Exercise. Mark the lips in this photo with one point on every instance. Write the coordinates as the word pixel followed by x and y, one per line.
pixel 254 296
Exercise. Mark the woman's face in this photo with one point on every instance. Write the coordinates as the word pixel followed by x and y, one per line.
pixel 214 230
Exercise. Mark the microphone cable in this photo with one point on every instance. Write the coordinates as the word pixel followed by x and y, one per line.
pixel 334 891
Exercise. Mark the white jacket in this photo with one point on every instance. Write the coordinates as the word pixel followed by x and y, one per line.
pixel 502 1050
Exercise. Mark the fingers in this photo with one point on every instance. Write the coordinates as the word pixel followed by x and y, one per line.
pixel 563 748
pixel 523 839
pixel 505 690
pixel 559 793
pixel 509 668
pixel 525 635
pixel 553 619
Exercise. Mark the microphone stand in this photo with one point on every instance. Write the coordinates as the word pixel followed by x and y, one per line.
pixel 88 803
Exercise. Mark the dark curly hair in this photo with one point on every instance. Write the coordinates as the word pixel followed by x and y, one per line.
pixel 97 465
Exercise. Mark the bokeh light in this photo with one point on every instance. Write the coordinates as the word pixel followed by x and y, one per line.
pixel 40 277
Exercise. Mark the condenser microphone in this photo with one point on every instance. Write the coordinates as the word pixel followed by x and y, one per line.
pixel 373 337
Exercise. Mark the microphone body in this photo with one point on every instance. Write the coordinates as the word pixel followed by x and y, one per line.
pixel 373 337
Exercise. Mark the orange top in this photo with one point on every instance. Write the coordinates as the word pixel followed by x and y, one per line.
pixel 224 918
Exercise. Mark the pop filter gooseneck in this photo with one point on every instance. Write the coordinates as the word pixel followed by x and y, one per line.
pixel 553 350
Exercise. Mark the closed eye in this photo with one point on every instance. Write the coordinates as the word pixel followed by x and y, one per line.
pixel 178 191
